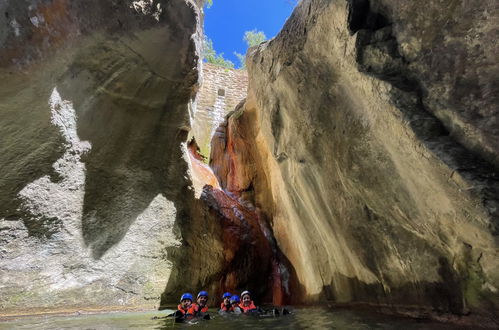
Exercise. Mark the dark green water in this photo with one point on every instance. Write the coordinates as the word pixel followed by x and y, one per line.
pixel 302 318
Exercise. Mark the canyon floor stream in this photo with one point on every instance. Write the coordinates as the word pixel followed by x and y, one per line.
pixel 302 318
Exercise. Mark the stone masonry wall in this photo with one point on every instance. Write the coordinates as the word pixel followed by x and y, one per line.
pixel 221 90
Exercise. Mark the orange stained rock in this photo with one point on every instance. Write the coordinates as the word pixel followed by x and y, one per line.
pixel 245 228
pixel 54 26
pixel 201 173
pixel 278 295
pixel 230 281
pixel 248 252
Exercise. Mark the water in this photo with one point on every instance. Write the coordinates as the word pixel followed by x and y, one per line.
pixel 302 318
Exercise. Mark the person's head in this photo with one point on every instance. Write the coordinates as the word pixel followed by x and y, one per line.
pixel 186 300
pixel 246 298
pixel 226 298
pixel 202 298
pixel 234 300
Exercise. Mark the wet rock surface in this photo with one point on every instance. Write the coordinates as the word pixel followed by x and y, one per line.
pixel 250 258
pixel 355 127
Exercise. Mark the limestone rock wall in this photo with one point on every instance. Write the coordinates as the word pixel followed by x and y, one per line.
pixel 449 60
pixel 94 198
pixel 373 123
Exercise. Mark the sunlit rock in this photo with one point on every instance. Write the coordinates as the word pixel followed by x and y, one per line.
pixel 237 165
pixel 362 168
pixel 94 101
pixel 367 138
pixel 200 173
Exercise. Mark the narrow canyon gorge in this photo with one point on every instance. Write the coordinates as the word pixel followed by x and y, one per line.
pixel 360 170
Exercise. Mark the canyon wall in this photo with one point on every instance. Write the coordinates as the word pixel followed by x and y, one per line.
pixel 369 139
pixel 362 168
pixel 94 198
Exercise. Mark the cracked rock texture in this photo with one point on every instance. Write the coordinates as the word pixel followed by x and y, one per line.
pixel 370 139
pixel 94 101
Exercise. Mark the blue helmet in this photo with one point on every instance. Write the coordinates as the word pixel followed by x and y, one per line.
pixel 186 296
pixel 226 295
pixel 234 299
pixel 203 293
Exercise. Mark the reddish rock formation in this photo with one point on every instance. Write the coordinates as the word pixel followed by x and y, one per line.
pixel 252 260
pixel 251 257
pixel 233 161
pixel 201 173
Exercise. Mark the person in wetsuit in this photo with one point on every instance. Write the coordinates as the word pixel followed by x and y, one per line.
pixel 234 301
pixel 201 308
pixel 185 311
pixel 226 306
pixel 247 305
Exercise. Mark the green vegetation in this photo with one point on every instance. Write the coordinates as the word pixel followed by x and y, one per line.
pixel 210 55
pixel 252 38
pixel 209 3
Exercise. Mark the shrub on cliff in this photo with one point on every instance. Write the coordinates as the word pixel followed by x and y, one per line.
pixel 252 38
pixel 210 55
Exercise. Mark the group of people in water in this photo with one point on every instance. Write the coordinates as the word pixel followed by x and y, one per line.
pixel 188 309
pixel 231 304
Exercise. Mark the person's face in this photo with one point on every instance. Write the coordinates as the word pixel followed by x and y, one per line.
pixel 202 300
pixel 227 301
pixel 246 300
pixel 235 303
pixel 185 303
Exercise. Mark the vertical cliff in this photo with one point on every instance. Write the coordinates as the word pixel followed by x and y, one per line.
pixel 362 167
pixel 368 140
pixel 94 198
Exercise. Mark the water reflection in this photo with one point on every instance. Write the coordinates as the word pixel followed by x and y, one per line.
pixel 302 318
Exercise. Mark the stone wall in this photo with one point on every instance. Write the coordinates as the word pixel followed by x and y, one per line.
pixel 221 90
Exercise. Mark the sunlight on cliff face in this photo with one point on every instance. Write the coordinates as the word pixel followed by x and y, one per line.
pixel 200 173
pixel 56 205
pixel 63 196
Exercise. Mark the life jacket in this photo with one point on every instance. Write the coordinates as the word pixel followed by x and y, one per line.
pixel 223 307
pixel 186 312
pixel 195 310
pixel 246 309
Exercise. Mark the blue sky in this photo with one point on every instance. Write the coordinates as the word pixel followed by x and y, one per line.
pixel 227 20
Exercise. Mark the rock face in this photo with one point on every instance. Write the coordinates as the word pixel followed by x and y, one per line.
pixel 367 147
pixel 370 141
pixel 94 107
pixel 249 241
